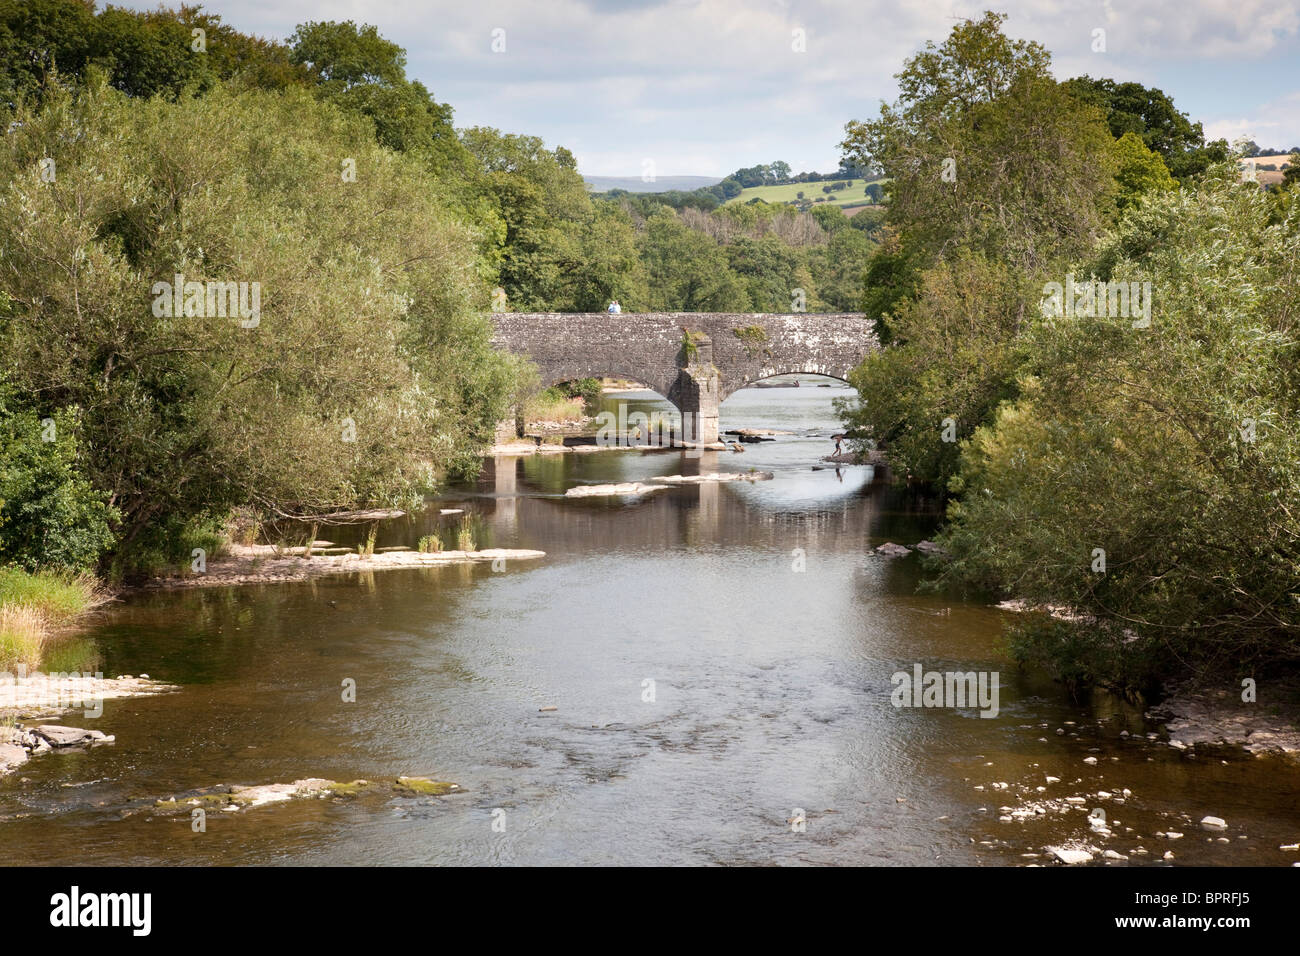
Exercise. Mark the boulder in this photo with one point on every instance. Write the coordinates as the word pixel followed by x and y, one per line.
pixel 11 757
pixel 1070 856
pixel 57 735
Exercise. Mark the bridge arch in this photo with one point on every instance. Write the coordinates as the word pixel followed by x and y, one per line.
pixel 729 350
pixel 759 382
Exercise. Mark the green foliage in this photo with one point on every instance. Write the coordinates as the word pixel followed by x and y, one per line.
pixel 51 515
pixel 690 350
pixel 1151 115
pixel 361 72
pixel 59 596
pixel 687 270
pixel 768 271
pixel 951 288
pixel 369 323
pixel 1139 171
pixel 753 338
pixel 964 108
pixel 1171 448
pixel 955 357
pixel 559 251
pixel 588 389
pixel 142 53
pixel 892 278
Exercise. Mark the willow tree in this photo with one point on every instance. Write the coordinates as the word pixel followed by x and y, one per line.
pixel 1149 474
pixel 997 177
pixel 367 370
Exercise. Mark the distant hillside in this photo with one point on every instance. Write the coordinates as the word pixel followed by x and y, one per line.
pixel 662 184
pixel 854 195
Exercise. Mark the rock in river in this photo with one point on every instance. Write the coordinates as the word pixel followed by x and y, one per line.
pixel 891 550
pixel 1070 856
pixel 11 757
pixel 57 735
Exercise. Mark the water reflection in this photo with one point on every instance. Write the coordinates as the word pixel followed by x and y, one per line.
pixel 770 635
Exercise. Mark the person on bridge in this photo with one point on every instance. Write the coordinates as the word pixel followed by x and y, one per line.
pixel 615 307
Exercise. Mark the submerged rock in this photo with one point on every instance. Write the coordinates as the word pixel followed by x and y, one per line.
pixel 426 787
pixel 891 550
pixel 618 489
pixel 244 798
pixel 714 476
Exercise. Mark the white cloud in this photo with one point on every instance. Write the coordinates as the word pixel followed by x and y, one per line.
pixel 708 85
pixel 1275 124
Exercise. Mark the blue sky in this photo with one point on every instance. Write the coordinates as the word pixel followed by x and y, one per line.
pixel 702 87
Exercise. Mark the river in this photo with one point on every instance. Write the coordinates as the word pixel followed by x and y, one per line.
pixel 769 634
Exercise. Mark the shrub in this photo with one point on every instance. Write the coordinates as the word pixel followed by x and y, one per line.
pixel 51 516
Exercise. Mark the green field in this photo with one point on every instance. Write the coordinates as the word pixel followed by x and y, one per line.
pixel 854 195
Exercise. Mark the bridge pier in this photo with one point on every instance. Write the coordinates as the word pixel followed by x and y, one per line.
pixel 697 393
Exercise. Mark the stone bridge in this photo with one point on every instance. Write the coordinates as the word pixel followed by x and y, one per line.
pixel 728 351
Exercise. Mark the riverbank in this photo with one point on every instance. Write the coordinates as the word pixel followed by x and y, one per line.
pixel 264 564
pixel 38 612
pixel 1216 717
pixel 1195 714
pixel 40 697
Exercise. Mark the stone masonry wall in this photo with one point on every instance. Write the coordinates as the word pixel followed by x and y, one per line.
pixel 646 346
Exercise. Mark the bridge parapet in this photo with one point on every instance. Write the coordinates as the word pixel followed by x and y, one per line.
pixel 648 347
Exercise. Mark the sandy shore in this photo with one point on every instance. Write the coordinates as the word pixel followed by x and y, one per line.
pixel 259 564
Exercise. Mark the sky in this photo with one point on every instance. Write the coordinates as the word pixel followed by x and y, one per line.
pixel 704 87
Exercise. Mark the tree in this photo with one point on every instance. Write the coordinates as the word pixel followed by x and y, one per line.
pixel 142 53
pixel 831 218
pixel 367 371
pixel 838 268
pixel 357 69
pixel 965 107
pixel 1167 451
pixel 997 177
pixel 345 55
pixel 954 359
pixel 51 516
pixel 769 271
pixel 1139 171
pixel 544 208
pixel 1151 115
pixel 687 270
